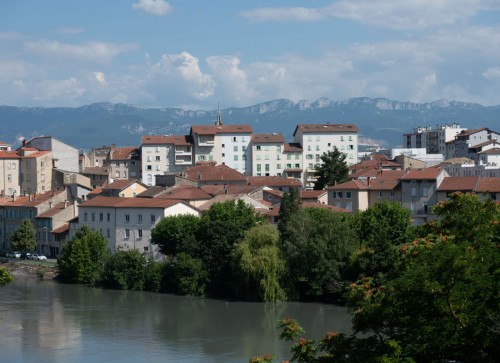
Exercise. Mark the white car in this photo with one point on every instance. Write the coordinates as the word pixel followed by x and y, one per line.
pixel 38 257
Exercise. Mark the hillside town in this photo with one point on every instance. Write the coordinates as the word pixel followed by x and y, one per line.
pixel 124 191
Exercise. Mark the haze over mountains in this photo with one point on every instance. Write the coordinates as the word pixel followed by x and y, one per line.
pixel 380 120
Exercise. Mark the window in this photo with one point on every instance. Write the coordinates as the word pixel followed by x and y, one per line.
pixel 127 233
pixel 235 139
pixel 288 156
pixel 235 148
pixel 278 166
pixel 117 163
pixel 101 217
pixel 117 174
pixel 278 156
pixel 243 148
pixel 109 217
pixel 257 147
pixel 235 157
pixel 153 218
pixel 108 233
pixel 85 216
pixel 93 217
pixel 266 157
pixel 127 218
pixel 379 193
pixel 43 177
pixel 309 156
pixel 289 166
pixel 149 167
pixel 9 178
pixel 308 147
pixel 139 218
pixel 317 147
pixel 341 138
pixel 139 233
pixel 340 195
pixel 157 158
pixel 334 195
pixel 267 167
pixel 157 149
pixel 223 155
pixel 424 191
pixel 392 193
pixel 132 163
pixel 297 156
pixel 329 144
pixel 149 158
pixel 266 147
pixel 259 157
pixel 413 191
pixel 348 195
pixel 258 167
pixel 201 157
pixel 297 166
pixel 223 145
pixel 348 205
pixel 278 148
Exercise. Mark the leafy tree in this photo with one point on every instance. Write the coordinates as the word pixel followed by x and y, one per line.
pixel 290 204
pixel 190 275
pixel 382 228
pixel 333 169
pixel 318 246
pixel 23 239
pixel 5 277
pixel 176 234
pixel 222 227
pixel 258 262
pixel 82 259
pixel 125 270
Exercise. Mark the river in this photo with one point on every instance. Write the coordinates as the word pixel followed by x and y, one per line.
pixel 44 321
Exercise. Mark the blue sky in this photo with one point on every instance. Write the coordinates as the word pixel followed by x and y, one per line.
pixel 196 54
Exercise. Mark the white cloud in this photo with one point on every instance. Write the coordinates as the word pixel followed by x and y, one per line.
pixel 100 77
pixel 155 7
pixel 283 14
pixel 492 73
pixel 231 80
pixel 394 14
pixel 95 52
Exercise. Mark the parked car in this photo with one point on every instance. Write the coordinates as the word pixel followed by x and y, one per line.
pixel 38 257
pixel 14 254
pixel 26 255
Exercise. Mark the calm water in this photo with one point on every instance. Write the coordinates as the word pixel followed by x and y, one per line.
pixel 42 321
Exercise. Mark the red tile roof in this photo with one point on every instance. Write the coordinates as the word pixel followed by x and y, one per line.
pixel 116 202
pixel 121 184
pixel 268 138
pixel 53 211
pixel 423 174
pixel 9 155
pixel 125 153
pixel 62 229
pixel 229 189
pixel 491 185
pixel 458 183
pixel 292 147
pixel 181 140
pixel 350 185
pixel 210 173
pixel 325 128
pixel 185 192
pixel 273 181
pixel 224 129
pixel 312 194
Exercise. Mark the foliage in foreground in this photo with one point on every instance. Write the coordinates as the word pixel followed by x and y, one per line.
pixel 441 303
pixel 5 277
pixel 23 239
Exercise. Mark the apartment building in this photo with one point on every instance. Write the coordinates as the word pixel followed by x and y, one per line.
pixel 35 170
pixel 10 173
pixel 126 223
pixel 64 156
pixel 121 162
pixel 433 139
pixel 468 143
pixel 317 139
pixel 165 154
pixel 267 154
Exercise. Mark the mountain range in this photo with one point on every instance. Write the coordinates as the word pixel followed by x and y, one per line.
pixel 380 121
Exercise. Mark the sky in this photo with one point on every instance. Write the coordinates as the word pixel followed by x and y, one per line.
pixel 199 54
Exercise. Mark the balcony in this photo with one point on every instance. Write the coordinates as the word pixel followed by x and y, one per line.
pixel 183 159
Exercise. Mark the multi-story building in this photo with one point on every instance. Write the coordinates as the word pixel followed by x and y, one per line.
pixel 126 223
pixel 468 143
pixel 35 171
pixel 317 139
pixel 64 157
pixel 165 154
pixel 121 162
pixel 432 139
pixel 267 154
pixel 10 167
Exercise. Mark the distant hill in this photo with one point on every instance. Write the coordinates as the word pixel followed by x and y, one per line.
pixel 379 120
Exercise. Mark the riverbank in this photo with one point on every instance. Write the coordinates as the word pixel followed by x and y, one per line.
pixel 27 268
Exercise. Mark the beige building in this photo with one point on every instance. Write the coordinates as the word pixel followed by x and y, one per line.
pixel 10 172
pixel 36 170
pixel 267 154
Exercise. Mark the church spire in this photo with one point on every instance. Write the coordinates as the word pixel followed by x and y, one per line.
pixel 219 117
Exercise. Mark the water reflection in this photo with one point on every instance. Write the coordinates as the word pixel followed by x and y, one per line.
pixel 50 322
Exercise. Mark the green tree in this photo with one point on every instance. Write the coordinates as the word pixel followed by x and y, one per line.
pixel 333 170
pixel 318 246
pixel 176 234
pixel 257 260
pixel 222 227
pixel 82 259
pixel 290 204
pixel 443 300
pixel 23 239
pixel 381 229
pixel 5 277
pixel 125 270
pixel 190 275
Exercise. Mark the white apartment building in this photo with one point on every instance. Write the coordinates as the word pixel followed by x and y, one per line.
pixel 164 154
pixel 433 139
pixel 127 222
pixel 224 144
pixel 267 155
pixel 469 142
pixel 317 139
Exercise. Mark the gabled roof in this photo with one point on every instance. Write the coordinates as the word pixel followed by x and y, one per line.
pixel 40 198
pixel 152 192
pixel 9 155
pixel 386 180
pixel 181 140
pixel 325 128
pixel 96 170
pixel 185 192
pixel 55 210
pixel 350 185
pixel 125 153
pixel 312 194
pixel 229 189
pixel 222 129
pixel 458 183
pixel 122 184
pixel 273 181
pixel 292 147
pixel 491 185
pixel 62 229
pixel 211 173
pixel 493 151
pixel 466 133
pixel 268 138
pixel 423 174
pixel 489 142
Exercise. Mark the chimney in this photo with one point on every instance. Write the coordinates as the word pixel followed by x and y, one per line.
pixel 50 205
pixel 368 181
pixel 14 196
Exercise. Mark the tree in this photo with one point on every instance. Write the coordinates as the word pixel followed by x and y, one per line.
pixel 442 303
pixel 257 260
pixel 316 250
pixel 222 227
pixel 125 270
pixel 5 277
pixel 23 239
pixel 176 234
pixel 333 170
pixel 381 229
pixel 82 259
pixel 290 204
